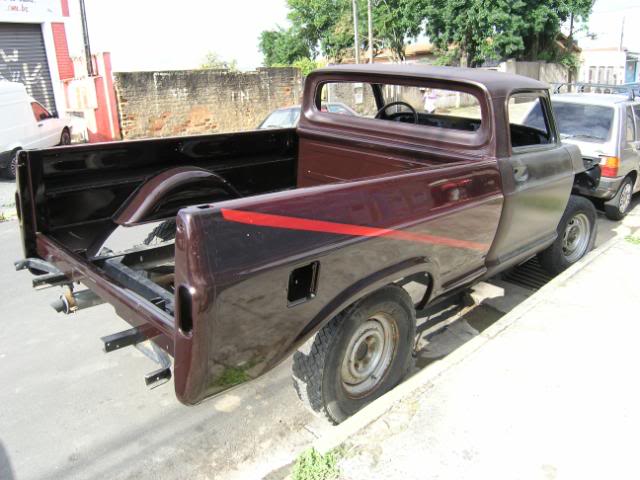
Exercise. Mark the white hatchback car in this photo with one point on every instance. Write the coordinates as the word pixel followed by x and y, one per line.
pixel 26 124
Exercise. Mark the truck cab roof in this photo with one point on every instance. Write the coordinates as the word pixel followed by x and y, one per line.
pixel 497 84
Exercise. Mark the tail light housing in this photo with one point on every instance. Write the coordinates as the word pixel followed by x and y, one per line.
pixel 609 166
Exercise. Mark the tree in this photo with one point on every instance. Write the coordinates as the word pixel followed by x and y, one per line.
pixel 475 31
pixel 284 47
pixel 324 23
pixel 213 61
pixel 395 21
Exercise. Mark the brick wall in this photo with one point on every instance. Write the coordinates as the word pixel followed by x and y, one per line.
pixel 162 104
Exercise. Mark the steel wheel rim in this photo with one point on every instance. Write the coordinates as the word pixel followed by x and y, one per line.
pixel 369 355
pixel 625 197
pixel 13 166
pixel 576 236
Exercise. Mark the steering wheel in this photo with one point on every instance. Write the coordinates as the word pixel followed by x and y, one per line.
pixel 384 109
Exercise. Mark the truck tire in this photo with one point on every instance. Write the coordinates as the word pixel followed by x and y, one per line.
pixel 576 236
pixel 618 207
pixel 358 356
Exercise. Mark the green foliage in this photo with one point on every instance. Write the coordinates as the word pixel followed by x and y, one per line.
pixel 283 47
pixel 327 25
pixel 633 240
pixel 396 21
pixel 479 30
pixel 311 465
pixel 306 65
pixel 213 61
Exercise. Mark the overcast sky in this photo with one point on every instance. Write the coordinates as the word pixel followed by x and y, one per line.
pixel 176 34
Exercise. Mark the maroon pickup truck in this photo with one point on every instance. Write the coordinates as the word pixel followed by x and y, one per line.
pixel 230 252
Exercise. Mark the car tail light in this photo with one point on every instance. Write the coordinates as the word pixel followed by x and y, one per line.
pixel 609 166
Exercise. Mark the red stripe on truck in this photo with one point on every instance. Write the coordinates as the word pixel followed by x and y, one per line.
pixel 307 225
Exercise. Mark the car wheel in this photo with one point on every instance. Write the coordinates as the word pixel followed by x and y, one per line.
pixel 618 207
pixel 13 165
pixel 358 356
pixel 576 236
pixel 65 138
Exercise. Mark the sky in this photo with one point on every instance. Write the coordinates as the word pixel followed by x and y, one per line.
pixel 177 34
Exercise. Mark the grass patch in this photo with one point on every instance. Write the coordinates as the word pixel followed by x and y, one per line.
pixel 311 465
pixel 632 239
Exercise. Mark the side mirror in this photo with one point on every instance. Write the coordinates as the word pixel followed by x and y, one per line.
pixel 43 116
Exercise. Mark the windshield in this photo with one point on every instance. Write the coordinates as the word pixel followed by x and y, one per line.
pixel 579 121
pixel 282 118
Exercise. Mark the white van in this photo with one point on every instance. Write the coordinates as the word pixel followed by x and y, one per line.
pixel 26 124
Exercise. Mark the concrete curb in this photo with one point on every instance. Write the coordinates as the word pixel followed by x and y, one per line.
pixel 426 377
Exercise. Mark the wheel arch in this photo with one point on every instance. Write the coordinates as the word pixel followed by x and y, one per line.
pixel 398 274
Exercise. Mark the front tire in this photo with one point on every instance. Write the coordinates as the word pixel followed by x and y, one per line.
pixel 358 356
pixel 618 207
pixel 576 236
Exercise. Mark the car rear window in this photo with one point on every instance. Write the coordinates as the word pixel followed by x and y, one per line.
pixel 282 119
pixel 583 122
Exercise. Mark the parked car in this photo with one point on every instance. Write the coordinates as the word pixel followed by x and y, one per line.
pixel 606 128
pixel 26 124
pixel 288 117
pixel 266 242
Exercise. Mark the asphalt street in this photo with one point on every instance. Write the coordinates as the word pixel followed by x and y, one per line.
pixel 68 410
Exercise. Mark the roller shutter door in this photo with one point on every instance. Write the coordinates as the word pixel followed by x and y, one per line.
pixel 23 59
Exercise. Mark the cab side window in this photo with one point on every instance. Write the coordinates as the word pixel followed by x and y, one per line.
pixel 528 121
pixel 39 112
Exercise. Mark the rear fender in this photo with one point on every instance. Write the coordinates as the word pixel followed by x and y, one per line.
pixel 366 286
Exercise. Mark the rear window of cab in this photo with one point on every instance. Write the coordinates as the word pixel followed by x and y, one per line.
pixel 414 106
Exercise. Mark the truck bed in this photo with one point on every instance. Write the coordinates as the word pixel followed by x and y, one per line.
pixel 237 277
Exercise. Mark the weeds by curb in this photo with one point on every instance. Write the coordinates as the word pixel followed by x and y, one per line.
pixel 312 465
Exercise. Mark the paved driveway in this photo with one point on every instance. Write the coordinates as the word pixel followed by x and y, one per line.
pixel 67 410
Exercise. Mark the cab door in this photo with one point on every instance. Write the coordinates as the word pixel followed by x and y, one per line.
pixel 537 181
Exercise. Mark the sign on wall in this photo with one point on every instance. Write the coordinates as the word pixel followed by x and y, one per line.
pixel 30 9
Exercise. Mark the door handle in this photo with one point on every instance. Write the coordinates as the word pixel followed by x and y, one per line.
pixel 520 173
pixel 40 125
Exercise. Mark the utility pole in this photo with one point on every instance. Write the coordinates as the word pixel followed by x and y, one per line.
pixel 370 20
pixel 355 31
pixel 622 35
pixel 85 34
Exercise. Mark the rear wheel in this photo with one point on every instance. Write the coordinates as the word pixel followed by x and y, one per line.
pixel 618 207
pixel 358 356
pixel 576 236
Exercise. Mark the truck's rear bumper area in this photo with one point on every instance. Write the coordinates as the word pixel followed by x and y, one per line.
pixel 152 321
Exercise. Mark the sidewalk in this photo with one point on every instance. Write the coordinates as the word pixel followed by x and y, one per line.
pixel 555 393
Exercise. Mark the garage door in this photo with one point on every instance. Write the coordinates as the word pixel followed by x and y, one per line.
pixel 23 59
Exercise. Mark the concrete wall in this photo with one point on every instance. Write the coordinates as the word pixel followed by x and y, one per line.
pixel 161 104
pixel 546 72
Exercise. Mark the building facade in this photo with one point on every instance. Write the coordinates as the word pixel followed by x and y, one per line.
pixel 613 66
pixel 34 51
